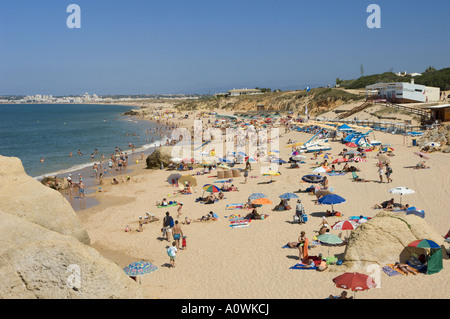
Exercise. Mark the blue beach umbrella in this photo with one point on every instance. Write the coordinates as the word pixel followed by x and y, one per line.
pixel 257 195
pixel 331 199
pixel 139 268
pixel 288 196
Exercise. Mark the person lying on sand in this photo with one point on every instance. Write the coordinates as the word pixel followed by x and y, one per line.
pixel 404 267
pixel 114 181
pixel 389 204
pixel 342 296
pixel 422 165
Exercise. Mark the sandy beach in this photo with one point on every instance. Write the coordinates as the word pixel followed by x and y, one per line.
pixel 250 263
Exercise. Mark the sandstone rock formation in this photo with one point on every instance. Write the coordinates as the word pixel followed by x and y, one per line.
pixel 384 239
pixel 43 251
pixel 160 155
pixel 25 197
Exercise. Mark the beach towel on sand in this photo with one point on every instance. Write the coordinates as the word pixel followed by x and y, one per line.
pixel 302 266
pixel 402 272
pixel 390 272
pixel 234 206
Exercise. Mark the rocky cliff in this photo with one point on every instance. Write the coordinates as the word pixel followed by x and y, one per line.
pixel 318 100
pixel 44 252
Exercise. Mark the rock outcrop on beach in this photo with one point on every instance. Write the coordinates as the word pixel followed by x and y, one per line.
pixel 43 251
pixel 439 135
pixel 384 239
pixel 25 197
pixel 160 155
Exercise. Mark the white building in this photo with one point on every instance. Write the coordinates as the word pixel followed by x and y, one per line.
pixel 402 92
pixel 237 92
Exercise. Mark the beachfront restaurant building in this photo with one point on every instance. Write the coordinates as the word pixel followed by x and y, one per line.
pixel 440 113
pixel 402 92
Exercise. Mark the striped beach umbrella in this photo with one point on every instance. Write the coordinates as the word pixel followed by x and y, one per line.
pixel 358 159
pixel 424 243
pixel 211 188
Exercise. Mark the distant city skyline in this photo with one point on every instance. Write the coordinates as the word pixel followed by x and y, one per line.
pixel 201 47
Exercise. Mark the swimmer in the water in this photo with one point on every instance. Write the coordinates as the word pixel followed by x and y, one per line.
pixel 42 160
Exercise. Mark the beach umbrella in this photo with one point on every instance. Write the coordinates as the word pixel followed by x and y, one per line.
pixel 401 191
pixel 224 166
pixel 295 153
pixel 257 195
pixel 340 160
pixel 271 174
pixel 331 199
pixel 173 178
pixel 358 159
pixel 351 144
pixel 422 155
pixel 187 178
pixel 329 239
pixel 351 152
pixel 312 178
pixel 345 225
pixel 298 158
pixel 211 188
pixel 383 159
pixel 251 159
pixel 326 156
pixel 288 196
pixel 278 160
pixel 424 243
pixel 387 149
pixel 139 268
pixel 354 281
pixel 319 170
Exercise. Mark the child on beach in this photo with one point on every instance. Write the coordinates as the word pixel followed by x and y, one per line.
pixel 171 251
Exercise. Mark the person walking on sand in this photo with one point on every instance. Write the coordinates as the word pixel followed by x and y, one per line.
pixel 177 234
pixel 179 213
pixel 388 173
pixel 171 251
pixel 81 189
pixel 380 172
pixel 245 175
pixel 167 225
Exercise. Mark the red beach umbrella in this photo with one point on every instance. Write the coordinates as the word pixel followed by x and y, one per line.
pixel 351 144
pixel 354 281
pixel 340 160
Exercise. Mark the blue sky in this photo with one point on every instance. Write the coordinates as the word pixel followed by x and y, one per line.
pixel 202 46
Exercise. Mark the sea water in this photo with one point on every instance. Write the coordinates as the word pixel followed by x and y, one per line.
pixel 51 132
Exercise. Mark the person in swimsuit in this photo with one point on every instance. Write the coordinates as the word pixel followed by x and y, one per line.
pixel 177 234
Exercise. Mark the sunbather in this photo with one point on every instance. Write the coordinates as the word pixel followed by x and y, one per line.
pixel 404 267
pixel 389 204
pixel 342 296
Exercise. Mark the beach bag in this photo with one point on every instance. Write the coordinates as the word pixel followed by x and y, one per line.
pixel 296 219
pixel 172 223
pixel 305 218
